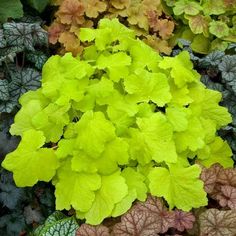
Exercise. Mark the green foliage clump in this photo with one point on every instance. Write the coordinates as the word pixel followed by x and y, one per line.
pixel 208 24
pixel 218 70
pixel 116 123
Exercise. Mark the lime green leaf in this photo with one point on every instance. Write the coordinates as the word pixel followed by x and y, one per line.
pixel 178 118
pixel 219 29
pixel 136 190
pixel 145 86
pixel 10 9
pixel 219 152
pixel 192 138
pixel 144 56
pixel 113 190
pixel 23 119
pixel 207 105
pixel 75 189
pixel 94 130
pixel 181 187
pixel 181 69
pixel 157 135
pixel 28 160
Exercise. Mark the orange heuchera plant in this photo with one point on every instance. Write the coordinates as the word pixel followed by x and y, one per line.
pixel 146 17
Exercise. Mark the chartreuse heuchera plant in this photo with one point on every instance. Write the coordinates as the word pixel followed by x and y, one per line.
pixel 116 123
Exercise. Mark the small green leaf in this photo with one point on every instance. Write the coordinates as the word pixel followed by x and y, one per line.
pixel 199 24
pixel 187 7
pixel 10 9
pixel 219 29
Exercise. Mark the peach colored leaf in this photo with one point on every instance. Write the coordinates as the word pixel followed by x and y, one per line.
pixel 91 230
pixel 54 31
pixel 158 44
pixel 94 7
pixel 71 12
pixel 120 4
pixel 214 222
pixel 71 43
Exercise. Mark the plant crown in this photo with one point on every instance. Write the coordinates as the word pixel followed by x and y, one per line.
pixel 116 123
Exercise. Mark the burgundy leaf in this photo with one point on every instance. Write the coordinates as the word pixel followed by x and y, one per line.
pixel 90 230
pixel 183 220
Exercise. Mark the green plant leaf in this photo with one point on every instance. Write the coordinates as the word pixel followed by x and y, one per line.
pixel 81 187
pixel 177 182
pixel 10 9
pixel 199 24
pixel 113 190
pixel 28 160
pixel 187 7
pixel 219 29
pixel 213 7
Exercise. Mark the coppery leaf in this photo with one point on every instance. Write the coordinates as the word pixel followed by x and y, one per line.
pixel 227 177
pixel 156 207
pixel 214 222
pixel 54 31
pixel 209 177
pixel 137 223
pixel 227 197
pixel 71 12
pixel 90 230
